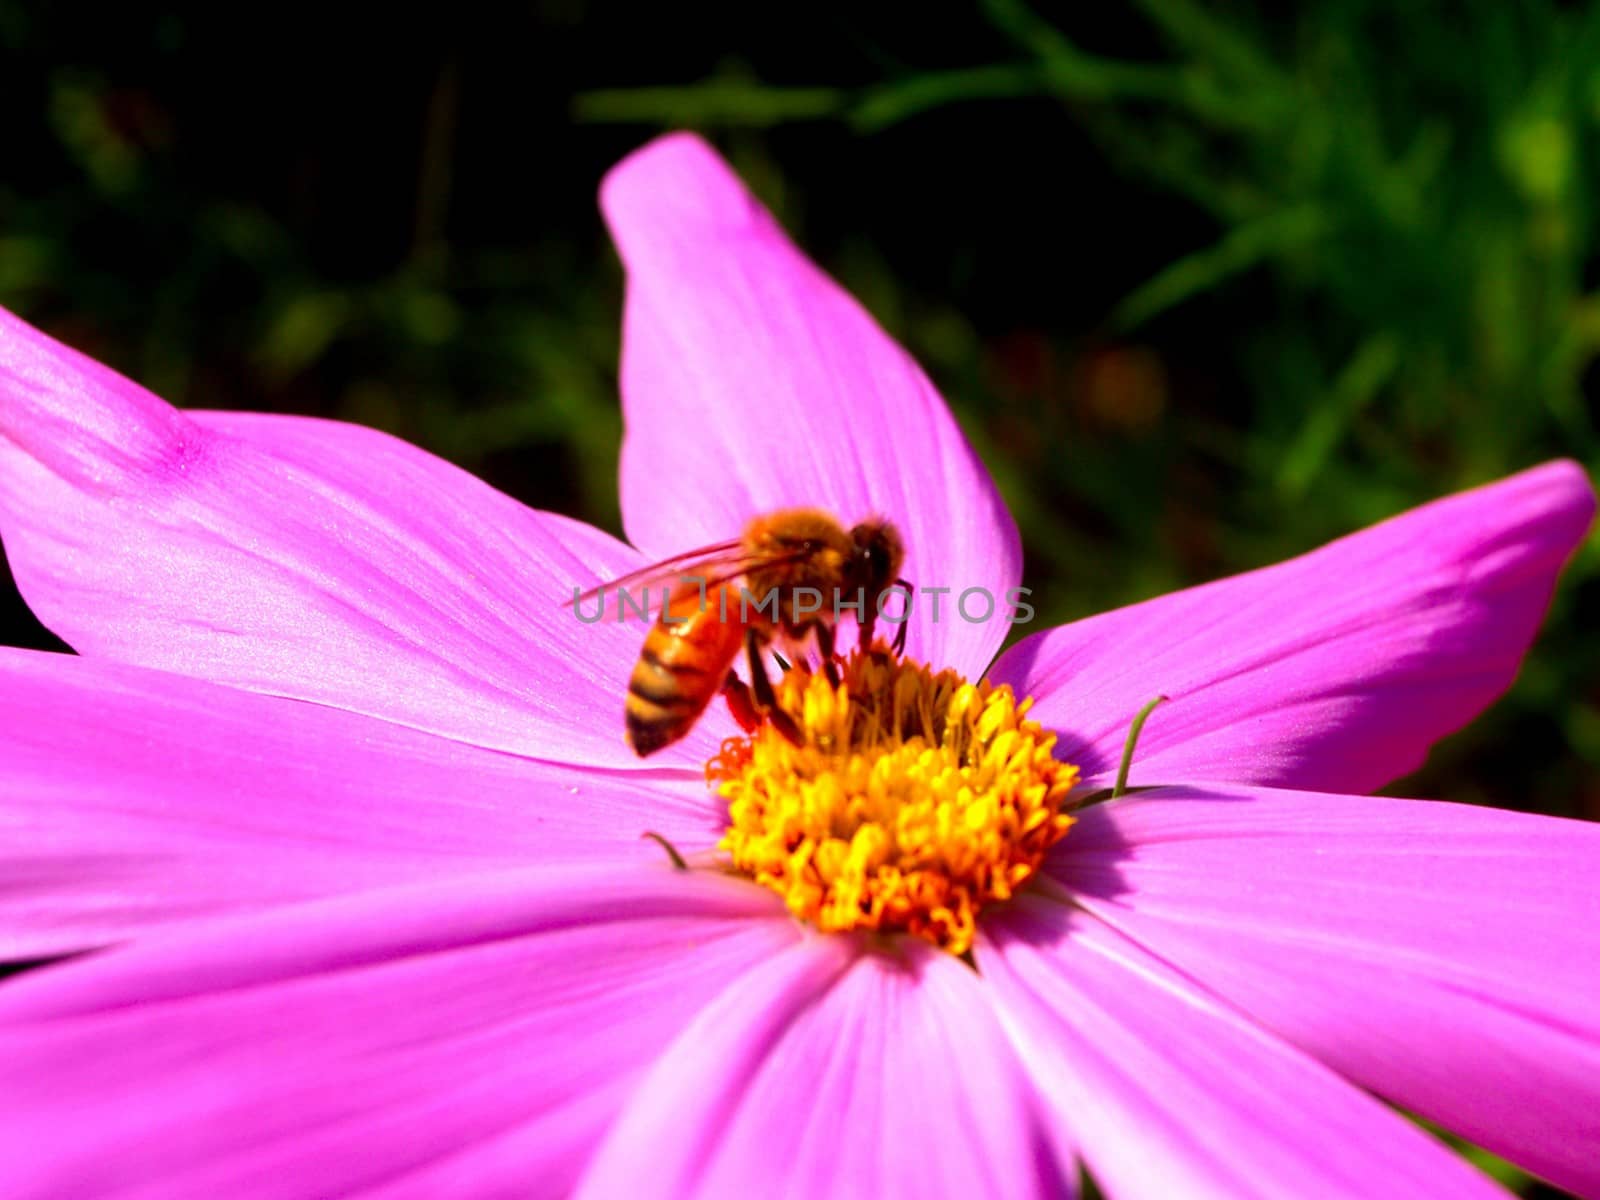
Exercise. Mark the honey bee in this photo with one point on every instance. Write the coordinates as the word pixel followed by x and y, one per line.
pixel 707 619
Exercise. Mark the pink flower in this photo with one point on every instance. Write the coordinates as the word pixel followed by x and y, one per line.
pixel 340 788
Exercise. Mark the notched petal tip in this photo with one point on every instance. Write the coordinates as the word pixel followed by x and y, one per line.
pixel 1333 671
pixel 677 179
pixel 76 417
pixel 1563 487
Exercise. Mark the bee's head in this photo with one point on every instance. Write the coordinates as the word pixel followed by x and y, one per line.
pixel 878 553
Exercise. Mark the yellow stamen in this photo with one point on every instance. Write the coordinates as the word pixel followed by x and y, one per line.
pixel 916 799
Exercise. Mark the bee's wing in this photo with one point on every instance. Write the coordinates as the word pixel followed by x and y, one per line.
pixel 709 565
pixel 660 572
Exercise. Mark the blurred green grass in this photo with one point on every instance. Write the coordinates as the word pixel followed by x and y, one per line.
pixel 1353 268
pixel 1205 287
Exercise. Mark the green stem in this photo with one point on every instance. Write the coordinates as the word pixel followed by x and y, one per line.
pixel 1127 748
pixel 678 861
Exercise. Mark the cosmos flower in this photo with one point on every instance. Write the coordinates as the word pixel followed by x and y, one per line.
pixel 336 792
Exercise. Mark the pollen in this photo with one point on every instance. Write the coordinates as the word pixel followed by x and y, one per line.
pixel 915 799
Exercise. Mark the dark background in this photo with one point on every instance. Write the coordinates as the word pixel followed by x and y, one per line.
pixel 1205 289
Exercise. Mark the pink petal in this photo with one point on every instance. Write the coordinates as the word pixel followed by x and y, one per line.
pixel 1444 956
pixel 1334 671
pixel 831 1072
pixel 306 558
pixel 752 382
pixel 464 1040
pixel 133 798
pixel 1168 1092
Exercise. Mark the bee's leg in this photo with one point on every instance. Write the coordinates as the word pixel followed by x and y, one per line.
pixel 740 704
pixel 825 647
pixel 766 698
pixel 905 621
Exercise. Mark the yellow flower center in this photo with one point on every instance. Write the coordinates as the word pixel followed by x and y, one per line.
pixel 916 799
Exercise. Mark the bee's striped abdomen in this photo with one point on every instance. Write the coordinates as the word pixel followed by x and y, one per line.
pixel 680 669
